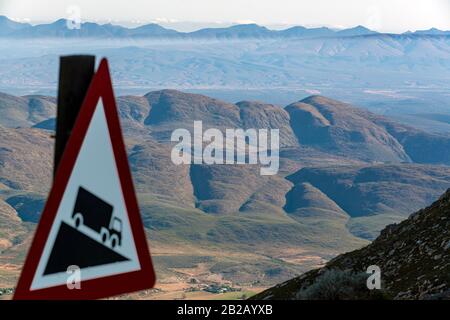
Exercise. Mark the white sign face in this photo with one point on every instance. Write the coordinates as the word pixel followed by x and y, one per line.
pixel 91 229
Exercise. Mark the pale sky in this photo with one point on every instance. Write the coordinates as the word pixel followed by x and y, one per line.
pixel 185 15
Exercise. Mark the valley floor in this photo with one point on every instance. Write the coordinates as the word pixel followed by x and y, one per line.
pixel 190 272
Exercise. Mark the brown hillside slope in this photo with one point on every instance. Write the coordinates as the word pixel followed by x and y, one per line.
pixel 331 125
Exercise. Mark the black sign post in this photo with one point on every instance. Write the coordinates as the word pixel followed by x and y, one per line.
pixel 75 75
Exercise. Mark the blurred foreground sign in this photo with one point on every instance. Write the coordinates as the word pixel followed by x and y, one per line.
pixel 90 241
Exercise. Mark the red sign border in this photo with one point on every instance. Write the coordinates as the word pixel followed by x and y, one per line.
pixel 144 278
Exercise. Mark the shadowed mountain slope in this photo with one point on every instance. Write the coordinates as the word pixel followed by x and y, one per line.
pixel 421 147
pixel 331 125
pixel 305 200
pixel 25 111
pixel 25 159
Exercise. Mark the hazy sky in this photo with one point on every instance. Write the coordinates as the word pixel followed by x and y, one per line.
pixel 381 15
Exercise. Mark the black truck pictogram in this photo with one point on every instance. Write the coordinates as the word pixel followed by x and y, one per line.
pixel 97 215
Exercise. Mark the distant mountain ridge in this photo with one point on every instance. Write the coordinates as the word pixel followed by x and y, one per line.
pixel 58 28
pixel 316 122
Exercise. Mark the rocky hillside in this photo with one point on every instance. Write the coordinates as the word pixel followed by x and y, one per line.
pixel 330 151
pixel 332 125
pixel 372 195
pixel 413 256
pixel 330 195
pixel 25 159
pixel 25 111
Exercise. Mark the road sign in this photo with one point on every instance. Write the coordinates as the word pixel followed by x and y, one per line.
pixel 90 242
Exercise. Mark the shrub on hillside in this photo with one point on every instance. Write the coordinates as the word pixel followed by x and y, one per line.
pixel 337 284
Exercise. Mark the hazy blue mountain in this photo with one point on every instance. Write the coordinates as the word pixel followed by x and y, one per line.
pixel 59 28
pixel 87 29
pixel 356 31
pixel 8 26
pixel 238 31
pixel 390 74
pixel 151 29
pixel 303 32
pixel 432 31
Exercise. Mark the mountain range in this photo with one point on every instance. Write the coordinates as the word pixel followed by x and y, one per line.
pixel 389 74
pixel 10 28
pixel 345 173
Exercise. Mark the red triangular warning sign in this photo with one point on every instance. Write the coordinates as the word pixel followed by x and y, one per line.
pixel 90 242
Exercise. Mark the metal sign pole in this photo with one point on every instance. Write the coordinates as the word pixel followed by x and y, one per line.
pixel 75 75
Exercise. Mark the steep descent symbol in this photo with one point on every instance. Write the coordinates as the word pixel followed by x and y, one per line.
pixel 97 247
pixel 93 212
pixel 91 219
